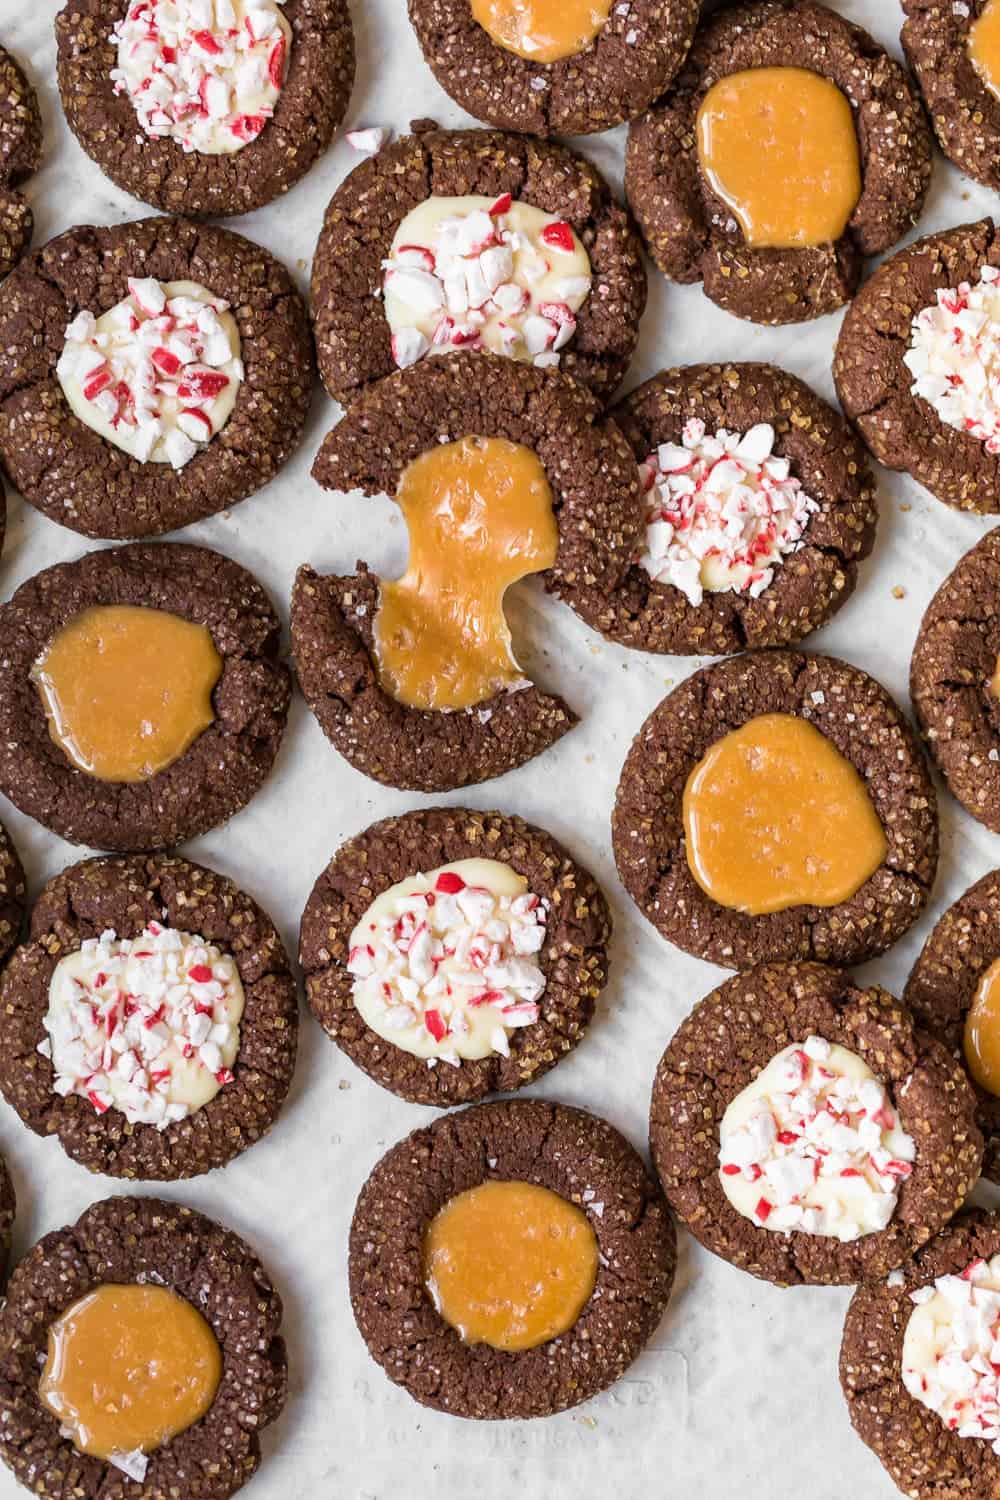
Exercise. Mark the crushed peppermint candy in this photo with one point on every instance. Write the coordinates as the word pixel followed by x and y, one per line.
pixel 813 1145
pixel 369 140
pixel 481 273
pixel 204 73
pixel 445 963
pixel 722 511
pixel 951 1350
pixel 148 1025
pixel 158 373
pixel 954 357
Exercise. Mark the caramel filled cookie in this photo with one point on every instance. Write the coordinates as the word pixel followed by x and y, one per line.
pixel 151 374
pixel 915 1364
pixel 473 239
pixel 465 1219
pixel 20 156
pixel 142 700
pixel 749 441
pixel 453 954
pixel 777 806
pixel 176 1320
pixel 955 680
pixel 953 992
pixel 790 147
pixel 824 1146
pixel 501 471
pixel 150 1020
pixel 554 67
pixel 270 80
pixel 954 51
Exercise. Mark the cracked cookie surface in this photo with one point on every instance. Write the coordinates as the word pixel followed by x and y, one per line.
pixel 20 156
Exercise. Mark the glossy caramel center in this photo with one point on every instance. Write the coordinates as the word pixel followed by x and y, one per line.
pixel 775 816
pixel 982 1031
pixel 128 1368
pixel 984 45
pixel 779 147
pixel 479 516
pixel 542 30
pixel 127 690
pixel 510 1264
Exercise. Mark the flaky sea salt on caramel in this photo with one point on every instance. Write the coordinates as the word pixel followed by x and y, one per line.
pixel 723 511
pixel 445 963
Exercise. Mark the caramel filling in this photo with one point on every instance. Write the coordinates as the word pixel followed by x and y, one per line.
pixel 775 816
pixel 995 680
pixel 126 690
pixel 510 1264
pixel 542 30
pixel 479 515
pixel 779 147
pixel 982 1031
pixel 128 1368
pixel 984 45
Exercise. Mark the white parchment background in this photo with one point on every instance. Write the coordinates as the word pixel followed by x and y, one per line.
pixel 737 1394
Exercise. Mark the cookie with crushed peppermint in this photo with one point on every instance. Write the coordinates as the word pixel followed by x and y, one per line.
pixel 595 504
pixel 205 106
pixel 689 226
pixel 130 1243
pixel 453 954
pixel 534 258
pixel 185 382
pixel 955 684
pixel 857 720
pixel 573 1154
pixel 150 1019
pixel 759 507
pixel 948 49
pixel 822 1148
pixel 556 69
pixel 917 365
pixel 225 762
pixel 918 1364
pixel 950 991
pixel 20 156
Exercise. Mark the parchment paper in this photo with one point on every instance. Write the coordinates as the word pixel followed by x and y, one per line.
pixel 737 1394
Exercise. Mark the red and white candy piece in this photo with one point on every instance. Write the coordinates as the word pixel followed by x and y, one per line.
pixel 954 357
pixel 951 1350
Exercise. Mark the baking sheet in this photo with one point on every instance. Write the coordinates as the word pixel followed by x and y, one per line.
pixel 738 1391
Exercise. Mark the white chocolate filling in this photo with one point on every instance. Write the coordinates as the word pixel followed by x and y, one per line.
pixel 951 1350
pixel 814 1145
pixel 954 357
pixel 205 73
pixel 150 1026
pixel 484 273
pixel 722 511
pixel 444 963
pixel 158 373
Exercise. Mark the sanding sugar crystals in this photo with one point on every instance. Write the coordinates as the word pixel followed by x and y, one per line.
pixel 954 357
pixel 814 1145
pixel 722 511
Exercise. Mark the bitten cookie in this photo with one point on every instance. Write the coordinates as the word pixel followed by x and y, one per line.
pixel 951 991
pixel 779 91
pixel 20 156
pixel 151 374
pixel 166 1307
pixel 490 1174
pixel 955 680
pixel 953 51
pixel 768 755
pixel 142 699
pixel 501 470
pixel 913 362
pixel 915 1365
pixel 453 954
pixel 804 1130
pixel 759 505
pixel 566 67
pixel 271 85
pixel 150 1020
pixel 470 238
